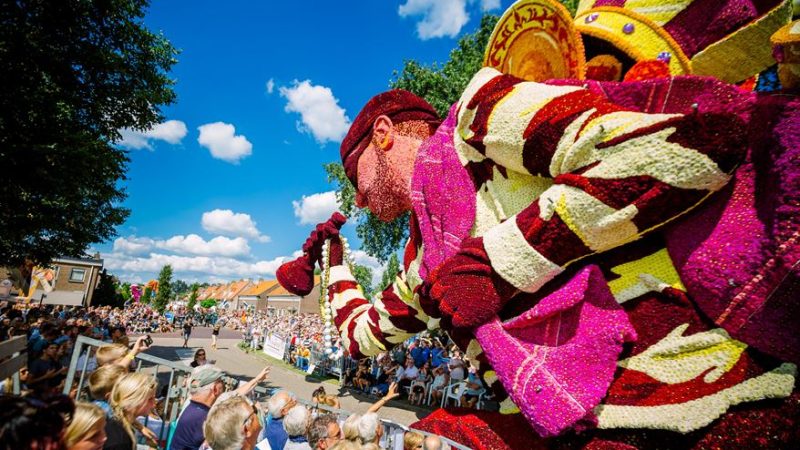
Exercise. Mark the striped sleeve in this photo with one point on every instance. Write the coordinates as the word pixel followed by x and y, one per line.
pixel 617 174
pixel 370 328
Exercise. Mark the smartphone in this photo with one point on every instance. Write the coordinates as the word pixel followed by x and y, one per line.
pixel 148 341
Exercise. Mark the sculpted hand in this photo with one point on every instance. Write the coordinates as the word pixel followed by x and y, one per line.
pixel 297 276
pixel 466 289
pixel 326 230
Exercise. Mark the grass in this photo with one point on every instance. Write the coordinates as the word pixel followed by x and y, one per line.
pixel 284 365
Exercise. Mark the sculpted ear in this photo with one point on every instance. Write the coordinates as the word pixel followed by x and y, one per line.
pixel 383 132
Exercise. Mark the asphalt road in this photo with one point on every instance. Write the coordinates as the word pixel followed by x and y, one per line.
pixel 242 365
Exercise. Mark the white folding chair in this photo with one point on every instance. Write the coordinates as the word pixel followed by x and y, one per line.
pixel 454 391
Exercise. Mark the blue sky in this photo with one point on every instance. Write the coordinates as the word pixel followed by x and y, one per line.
pixel 230 185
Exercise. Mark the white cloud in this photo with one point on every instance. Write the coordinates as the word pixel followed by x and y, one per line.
pixel 220 266
pixel 270 86
pixel 315 208
pixel 439 17
pixel 221 139
pixel 319 110
pixel 195 245
pixel 171 131
pixel 133 245
pixel 488 5
pixel 229 223
pixel 191 245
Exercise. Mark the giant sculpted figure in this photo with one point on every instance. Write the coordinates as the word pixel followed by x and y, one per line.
pixel 621 258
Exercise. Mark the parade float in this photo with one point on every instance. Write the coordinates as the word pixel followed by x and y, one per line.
pixel 606 222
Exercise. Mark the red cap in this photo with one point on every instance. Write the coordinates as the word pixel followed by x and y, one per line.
pixel 398 105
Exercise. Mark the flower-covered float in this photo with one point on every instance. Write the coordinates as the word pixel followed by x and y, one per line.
pixel 606 222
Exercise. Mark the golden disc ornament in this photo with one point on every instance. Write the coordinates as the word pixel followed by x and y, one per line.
pixel 536 40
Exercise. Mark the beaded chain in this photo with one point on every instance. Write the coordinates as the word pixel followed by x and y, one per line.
pixel 326 308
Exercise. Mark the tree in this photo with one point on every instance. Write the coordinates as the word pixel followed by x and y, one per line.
pixel 441 87
pixel 124 290
pixel 392 269
pixel 180 287
pixel 147 295
pixel 105 294
pixel 208 303
pixel 76 73
pixel 193 297
pixel 164 294
pixel 363 276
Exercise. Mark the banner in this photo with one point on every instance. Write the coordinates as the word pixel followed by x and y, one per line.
pixel 274 346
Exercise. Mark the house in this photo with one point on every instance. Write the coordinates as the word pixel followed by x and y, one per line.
pixel 254 297
pixel 269 296
pixel 68 281
pixel 281 302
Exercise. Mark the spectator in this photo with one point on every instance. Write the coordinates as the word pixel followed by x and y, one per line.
pixel 110 354
pixel 278 406
pixel 419 385
pixel 101 383
pixel 350 428
pixel 474 389
pixel 87 429
pixel 45 374
pixel 134 395
pixel 456 366
pixel 296 424
pixel 439 384
pixel 26 423
pixel 199 358
pixel 432 443
pixel 346 445
pixel 320 396
pixel 324 432
pixel 205 386
pixel 412 440
pixel 187 332
pixel 409 373
pixel 370 428
pixel 232 424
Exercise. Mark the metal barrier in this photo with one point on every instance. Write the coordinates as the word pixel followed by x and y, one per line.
pixel 172 377
pixel 13 357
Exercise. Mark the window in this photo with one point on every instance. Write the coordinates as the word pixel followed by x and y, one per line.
pixel 77 275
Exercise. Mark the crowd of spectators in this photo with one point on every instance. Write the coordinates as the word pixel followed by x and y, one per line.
pixel 124 408
pixel 424 368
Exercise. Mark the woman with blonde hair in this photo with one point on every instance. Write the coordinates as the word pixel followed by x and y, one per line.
pixel 87 430
pixel 134 395
pixel 320 396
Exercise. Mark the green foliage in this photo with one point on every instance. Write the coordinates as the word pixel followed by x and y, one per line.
pixel 193 297
pixel 363 276
pixel 124 290
pixel 208 303
pixel 164 294
pixel 392 269
pixel 75 72
pixel 180 287
pixel 105 294
pixel 147 295
pixel 442 85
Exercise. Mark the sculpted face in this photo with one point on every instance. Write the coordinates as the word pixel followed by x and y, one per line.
pixel 386 166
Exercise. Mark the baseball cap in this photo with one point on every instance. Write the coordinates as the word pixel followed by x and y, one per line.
pixel 204 375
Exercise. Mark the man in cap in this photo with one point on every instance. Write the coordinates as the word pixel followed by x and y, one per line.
pixel 206 385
